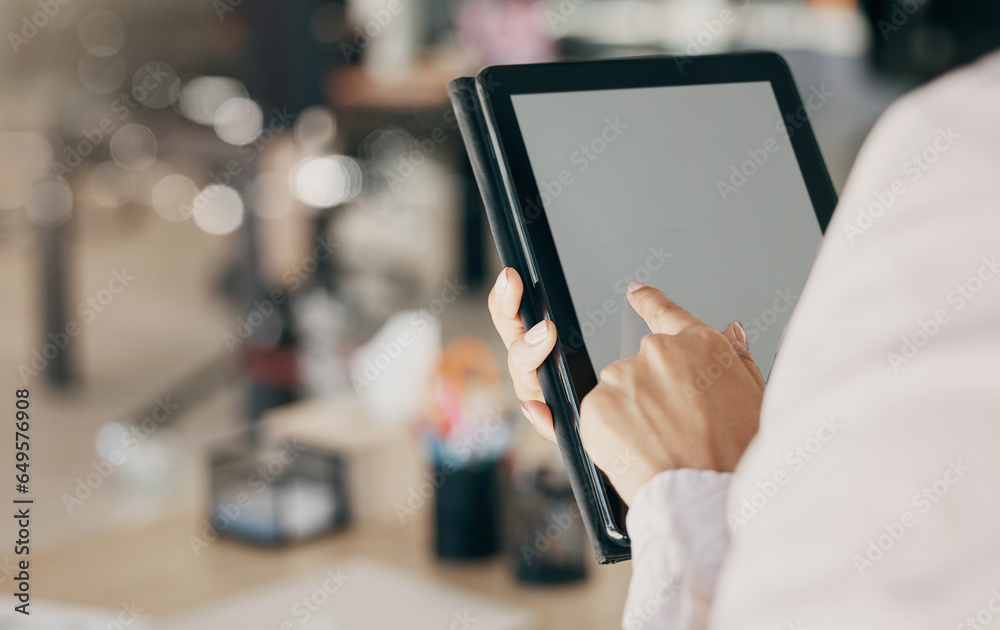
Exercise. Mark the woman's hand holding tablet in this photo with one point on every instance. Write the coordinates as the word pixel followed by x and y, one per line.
pixel 688 177
pixel 689 398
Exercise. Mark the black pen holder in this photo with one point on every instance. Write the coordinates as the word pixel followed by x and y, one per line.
pixel 467 511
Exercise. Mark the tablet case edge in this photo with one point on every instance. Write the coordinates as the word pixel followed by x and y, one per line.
pixel 472 125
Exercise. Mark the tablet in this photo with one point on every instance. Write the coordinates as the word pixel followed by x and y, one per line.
pixel 697 175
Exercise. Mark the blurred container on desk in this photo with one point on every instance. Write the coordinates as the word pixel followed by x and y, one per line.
pixel 550 543
pixel 382 462
pixel 279 493
pixel 466 436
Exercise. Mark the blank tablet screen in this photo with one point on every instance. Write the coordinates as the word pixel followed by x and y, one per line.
pixel 692 189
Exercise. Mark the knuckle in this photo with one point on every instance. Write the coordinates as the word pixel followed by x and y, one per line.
pixel 653 343
pixel 606 374
pixel 705 334
pixel 613 372
pixel 647 344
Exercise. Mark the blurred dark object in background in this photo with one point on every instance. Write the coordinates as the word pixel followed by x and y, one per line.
pixel 922 39
pixel 467 511
pixel 277 494
pixel 292 45
pixel 550 545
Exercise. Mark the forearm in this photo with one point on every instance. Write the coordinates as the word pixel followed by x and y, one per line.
pixel 677 524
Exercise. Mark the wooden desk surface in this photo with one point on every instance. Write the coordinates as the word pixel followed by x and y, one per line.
pixel 157 567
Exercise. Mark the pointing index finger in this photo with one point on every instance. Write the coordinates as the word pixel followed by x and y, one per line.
pixel 661 314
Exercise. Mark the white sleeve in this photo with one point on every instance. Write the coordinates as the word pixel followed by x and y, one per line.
pixel 868 499
pixel 677 524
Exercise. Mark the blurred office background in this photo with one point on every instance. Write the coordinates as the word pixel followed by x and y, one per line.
pixel 245 270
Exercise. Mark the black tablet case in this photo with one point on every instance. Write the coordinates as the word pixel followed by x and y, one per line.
pixel 470 115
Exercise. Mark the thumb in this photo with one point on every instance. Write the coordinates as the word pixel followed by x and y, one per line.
pixel 737 337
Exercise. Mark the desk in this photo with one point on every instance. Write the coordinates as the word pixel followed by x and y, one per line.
pixel 157 568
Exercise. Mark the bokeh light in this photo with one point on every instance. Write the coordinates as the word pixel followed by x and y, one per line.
pixel 133 147
pixel 387 144
pixel 101 33
pixel 173 197
pixel 218 209
pixel 238 121
pixel 201 97
pixel 326 181
pixel 101 73
pixel 315 127
pixel 156 85
pixel 50 204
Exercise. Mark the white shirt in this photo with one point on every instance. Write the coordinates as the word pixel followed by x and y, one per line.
pixel 871 496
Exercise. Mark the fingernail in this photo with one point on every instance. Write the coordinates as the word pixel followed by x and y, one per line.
pixel 537 333
pixel 501 284
pixel 741 334
pixel 527 414
pixel 635 286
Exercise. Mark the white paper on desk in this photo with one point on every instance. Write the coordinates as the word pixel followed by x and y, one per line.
pixel 392 371
pixel 50 615
pixel 354 593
